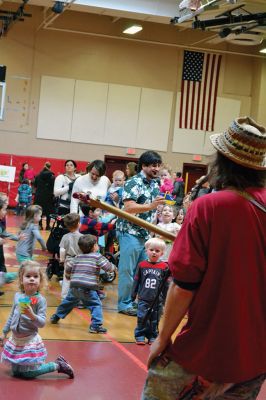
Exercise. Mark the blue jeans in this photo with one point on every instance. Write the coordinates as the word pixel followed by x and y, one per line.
pixel 90 300
pixel 132 252
pixel 150 329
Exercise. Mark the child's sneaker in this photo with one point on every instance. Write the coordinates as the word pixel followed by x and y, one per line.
pixel 97 329
pixel 60 358
pixel 140 342
pixel 64 367
pixel 54 319
pixel 101 294
pixel 151 340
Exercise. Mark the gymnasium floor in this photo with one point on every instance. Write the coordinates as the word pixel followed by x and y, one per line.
pixel 109 366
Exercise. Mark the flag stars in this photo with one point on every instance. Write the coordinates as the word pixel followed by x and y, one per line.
pixel 193 66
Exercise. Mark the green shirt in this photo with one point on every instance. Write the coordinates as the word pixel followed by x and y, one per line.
pixel 142 191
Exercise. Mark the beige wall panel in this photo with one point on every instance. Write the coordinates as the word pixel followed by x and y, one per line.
pixel 89 112
pixel 106 60
pixel 122 115
pixel 226 111
pixel 188 141
pixel 154 119
pixel 237 75
pixel 262 100
pixel 55 108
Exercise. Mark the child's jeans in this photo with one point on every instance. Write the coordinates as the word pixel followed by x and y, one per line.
pixel 65 287
pixel 90 300
pixel 148 330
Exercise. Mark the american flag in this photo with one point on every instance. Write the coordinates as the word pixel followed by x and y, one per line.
pixel 199 90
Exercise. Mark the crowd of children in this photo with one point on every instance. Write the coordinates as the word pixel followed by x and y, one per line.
pixel 82 260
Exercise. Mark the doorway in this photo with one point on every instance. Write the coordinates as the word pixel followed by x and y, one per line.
pixel 117 162
pixel 192 172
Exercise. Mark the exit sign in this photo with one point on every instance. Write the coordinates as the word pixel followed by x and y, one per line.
pixel 197 157
pixel 131 151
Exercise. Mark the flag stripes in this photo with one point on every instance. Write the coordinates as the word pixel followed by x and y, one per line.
pixel 199 90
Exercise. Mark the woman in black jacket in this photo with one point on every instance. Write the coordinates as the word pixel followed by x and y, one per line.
pixel 44 197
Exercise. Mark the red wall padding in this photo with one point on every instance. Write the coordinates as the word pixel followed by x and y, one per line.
pixel 37 164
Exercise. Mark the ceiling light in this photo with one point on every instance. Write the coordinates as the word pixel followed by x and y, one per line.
pixel 131 30
pixel 263 51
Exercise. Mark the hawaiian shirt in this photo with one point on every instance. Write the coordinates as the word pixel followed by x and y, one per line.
pixel 142 191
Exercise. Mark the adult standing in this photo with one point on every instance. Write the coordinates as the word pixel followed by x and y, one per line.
pixel 63 186
pixel 131 169
pixel 29 174
pixel 201 188
pixel 179 189
pixel 219 277
pixel 25 167
pixel 94 183
pixel 44 195
pixel 140 197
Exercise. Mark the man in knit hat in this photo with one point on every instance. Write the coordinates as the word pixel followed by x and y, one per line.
pixel 219 279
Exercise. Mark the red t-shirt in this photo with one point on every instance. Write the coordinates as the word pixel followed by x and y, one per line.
pixel 222 245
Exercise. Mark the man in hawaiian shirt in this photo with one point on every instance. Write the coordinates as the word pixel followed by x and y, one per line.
pixel 140 197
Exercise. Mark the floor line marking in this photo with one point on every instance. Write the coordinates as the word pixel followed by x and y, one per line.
pixel 139 363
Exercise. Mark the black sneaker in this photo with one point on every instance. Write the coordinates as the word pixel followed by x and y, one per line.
pixel 64 367
pixel 54 319
pixel 132 312
pixel 97 329
pixel 60 358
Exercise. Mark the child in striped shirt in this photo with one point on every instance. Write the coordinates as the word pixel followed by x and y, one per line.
pixel 84 282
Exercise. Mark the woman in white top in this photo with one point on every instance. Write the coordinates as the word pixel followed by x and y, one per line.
pixel 94 183
pixel 63 187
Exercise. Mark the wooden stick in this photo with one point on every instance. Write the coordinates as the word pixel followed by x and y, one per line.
pixel 124 215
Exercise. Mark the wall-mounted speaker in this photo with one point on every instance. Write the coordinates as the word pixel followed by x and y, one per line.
pixel 2 73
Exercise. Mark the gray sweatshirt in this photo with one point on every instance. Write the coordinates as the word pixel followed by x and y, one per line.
pixel 20 324
pixel 25 246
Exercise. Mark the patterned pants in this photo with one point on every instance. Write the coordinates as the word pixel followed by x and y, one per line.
pixel 169 381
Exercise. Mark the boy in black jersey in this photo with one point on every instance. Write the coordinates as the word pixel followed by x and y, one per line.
pixel 149 275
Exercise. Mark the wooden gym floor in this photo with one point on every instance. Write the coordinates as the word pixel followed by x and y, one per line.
pixel 109 366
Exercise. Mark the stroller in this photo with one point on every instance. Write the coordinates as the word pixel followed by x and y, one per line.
pixel 54 267
pixel 110 251
pixel 108 277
